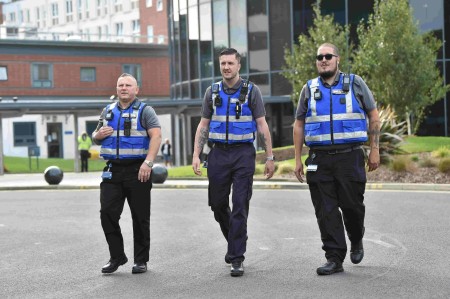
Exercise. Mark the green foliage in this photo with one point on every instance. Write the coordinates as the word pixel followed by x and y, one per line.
pixel 391 134
pixel 415 158
pixel 417 144
pixel 300 61
pixel 442 152
pixel 444 165
pixel 397 62
pixel 22 165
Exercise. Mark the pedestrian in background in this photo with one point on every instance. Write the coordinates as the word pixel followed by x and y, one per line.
pixel 331 119
pixel 130 135
pixel 84 144
pixel 232 114
pixel 166 151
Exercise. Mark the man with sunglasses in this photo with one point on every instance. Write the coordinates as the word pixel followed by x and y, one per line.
pixel 331 119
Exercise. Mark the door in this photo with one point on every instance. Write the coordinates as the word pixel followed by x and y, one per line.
pixel 54 140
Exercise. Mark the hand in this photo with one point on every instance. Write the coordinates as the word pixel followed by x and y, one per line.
pixel 269 169
pixel 144 173
pixel 196 166
pixel 299 172
pixel 374 159
pixel 103 132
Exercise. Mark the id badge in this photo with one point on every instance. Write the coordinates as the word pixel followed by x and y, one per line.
pixel 311 167
pixel 107 175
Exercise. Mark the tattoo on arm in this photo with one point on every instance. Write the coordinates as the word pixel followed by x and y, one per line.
pixel 262 141
pixel 375 132
pixel 202 139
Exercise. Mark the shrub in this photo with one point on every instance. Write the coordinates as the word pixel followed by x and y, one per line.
pixel 285 168
pixel 441 152
pixel 391 134
pixel 402 163
pixel 427 162
pixel 444 165
pixel 415 158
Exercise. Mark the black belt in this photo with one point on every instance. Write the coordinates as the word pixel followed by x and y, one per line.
pixel 229 145
pixel 338 151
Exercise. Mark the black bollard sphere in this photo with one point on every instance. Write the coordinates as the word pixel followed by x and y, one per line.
pixel 53 175
pixel 159 174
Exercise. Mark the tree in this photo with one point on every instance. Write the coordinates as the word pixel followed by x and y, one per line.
pixel 300 66
pixel 397 62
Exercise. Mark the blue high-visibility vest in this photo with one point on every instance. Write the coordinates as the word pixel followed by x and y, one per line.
pixel 335 118
pixel 225 125
pixel 119 146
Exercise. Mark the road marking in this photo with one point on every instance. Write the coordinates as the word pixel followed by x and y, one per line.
pixel 379 242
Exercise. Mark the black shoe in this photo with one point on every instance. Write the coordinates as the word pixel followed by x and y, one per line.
pixel 329 268
pixel 237 269
pixel 114 264
pixel 139 268
pixel 227 259
pixel 357 252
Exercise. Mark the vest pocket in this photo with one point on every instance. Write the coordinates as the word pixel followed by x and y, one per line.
pixel 352 126
pixel 312 129
pixel 133 143
pixel 242 128
pixel 215 127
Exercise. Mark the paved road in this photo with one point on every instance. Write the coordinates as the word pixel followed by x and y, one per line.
pixel 52 246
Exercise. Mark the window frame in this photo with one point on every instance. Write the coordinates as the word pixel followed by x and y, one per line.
pixel 3 73
pixel 88 68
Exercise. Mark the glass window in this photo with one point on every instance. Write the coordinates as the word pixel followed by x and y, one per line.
pixel 3 73
pixel 280 85
pixel 24 133
pixel 220 30
pixel 55 15
pixel 134 70
pixel 91 126
pixel 280 32
pixel 258 28
pixel 183 43
pixel 195 90
pixel 193 39
pixel 87 74
pixel 206 59
pixel 159 5
pixel 149 3
pixel 238 30
pixel 150 36
pixel 42 75
pixel 262 81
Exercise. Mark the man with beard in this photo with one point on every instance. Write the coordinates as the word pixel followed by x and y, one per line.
pixel 331 119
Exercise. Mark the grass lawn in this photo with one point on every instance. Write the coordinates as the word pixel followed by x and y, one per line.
pixel 412 144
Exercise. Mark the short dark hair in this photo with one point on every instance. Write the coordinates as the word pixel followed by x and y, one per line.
pixel 231 51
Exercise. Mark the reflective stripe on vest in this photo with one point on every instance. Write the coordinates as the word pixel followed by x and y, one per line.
pixel 342 121
pixel 119 146
pixel 224 126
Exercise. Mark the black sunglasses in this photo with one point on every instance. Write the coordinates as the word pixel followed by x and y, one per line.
pixel 327 57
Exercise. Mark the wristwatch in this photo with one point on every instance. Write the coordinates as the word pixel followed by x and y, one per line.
pixel 149 163
pixel 270 158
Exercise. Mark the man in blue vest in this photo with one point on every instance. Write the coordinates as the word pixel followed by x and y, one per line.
pixel 130 135
pixel 232 114
pixel 331 119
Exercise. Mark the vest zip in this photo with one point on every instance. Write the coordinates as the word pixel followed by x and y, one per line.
pixel 118 134
pixel 227 119
pixel 331 115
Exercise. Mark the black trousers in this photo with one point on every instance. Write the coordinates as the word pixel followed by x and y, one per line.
pixel 125 184
pixel 234 167
pixel 338 185
pixel 84 156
